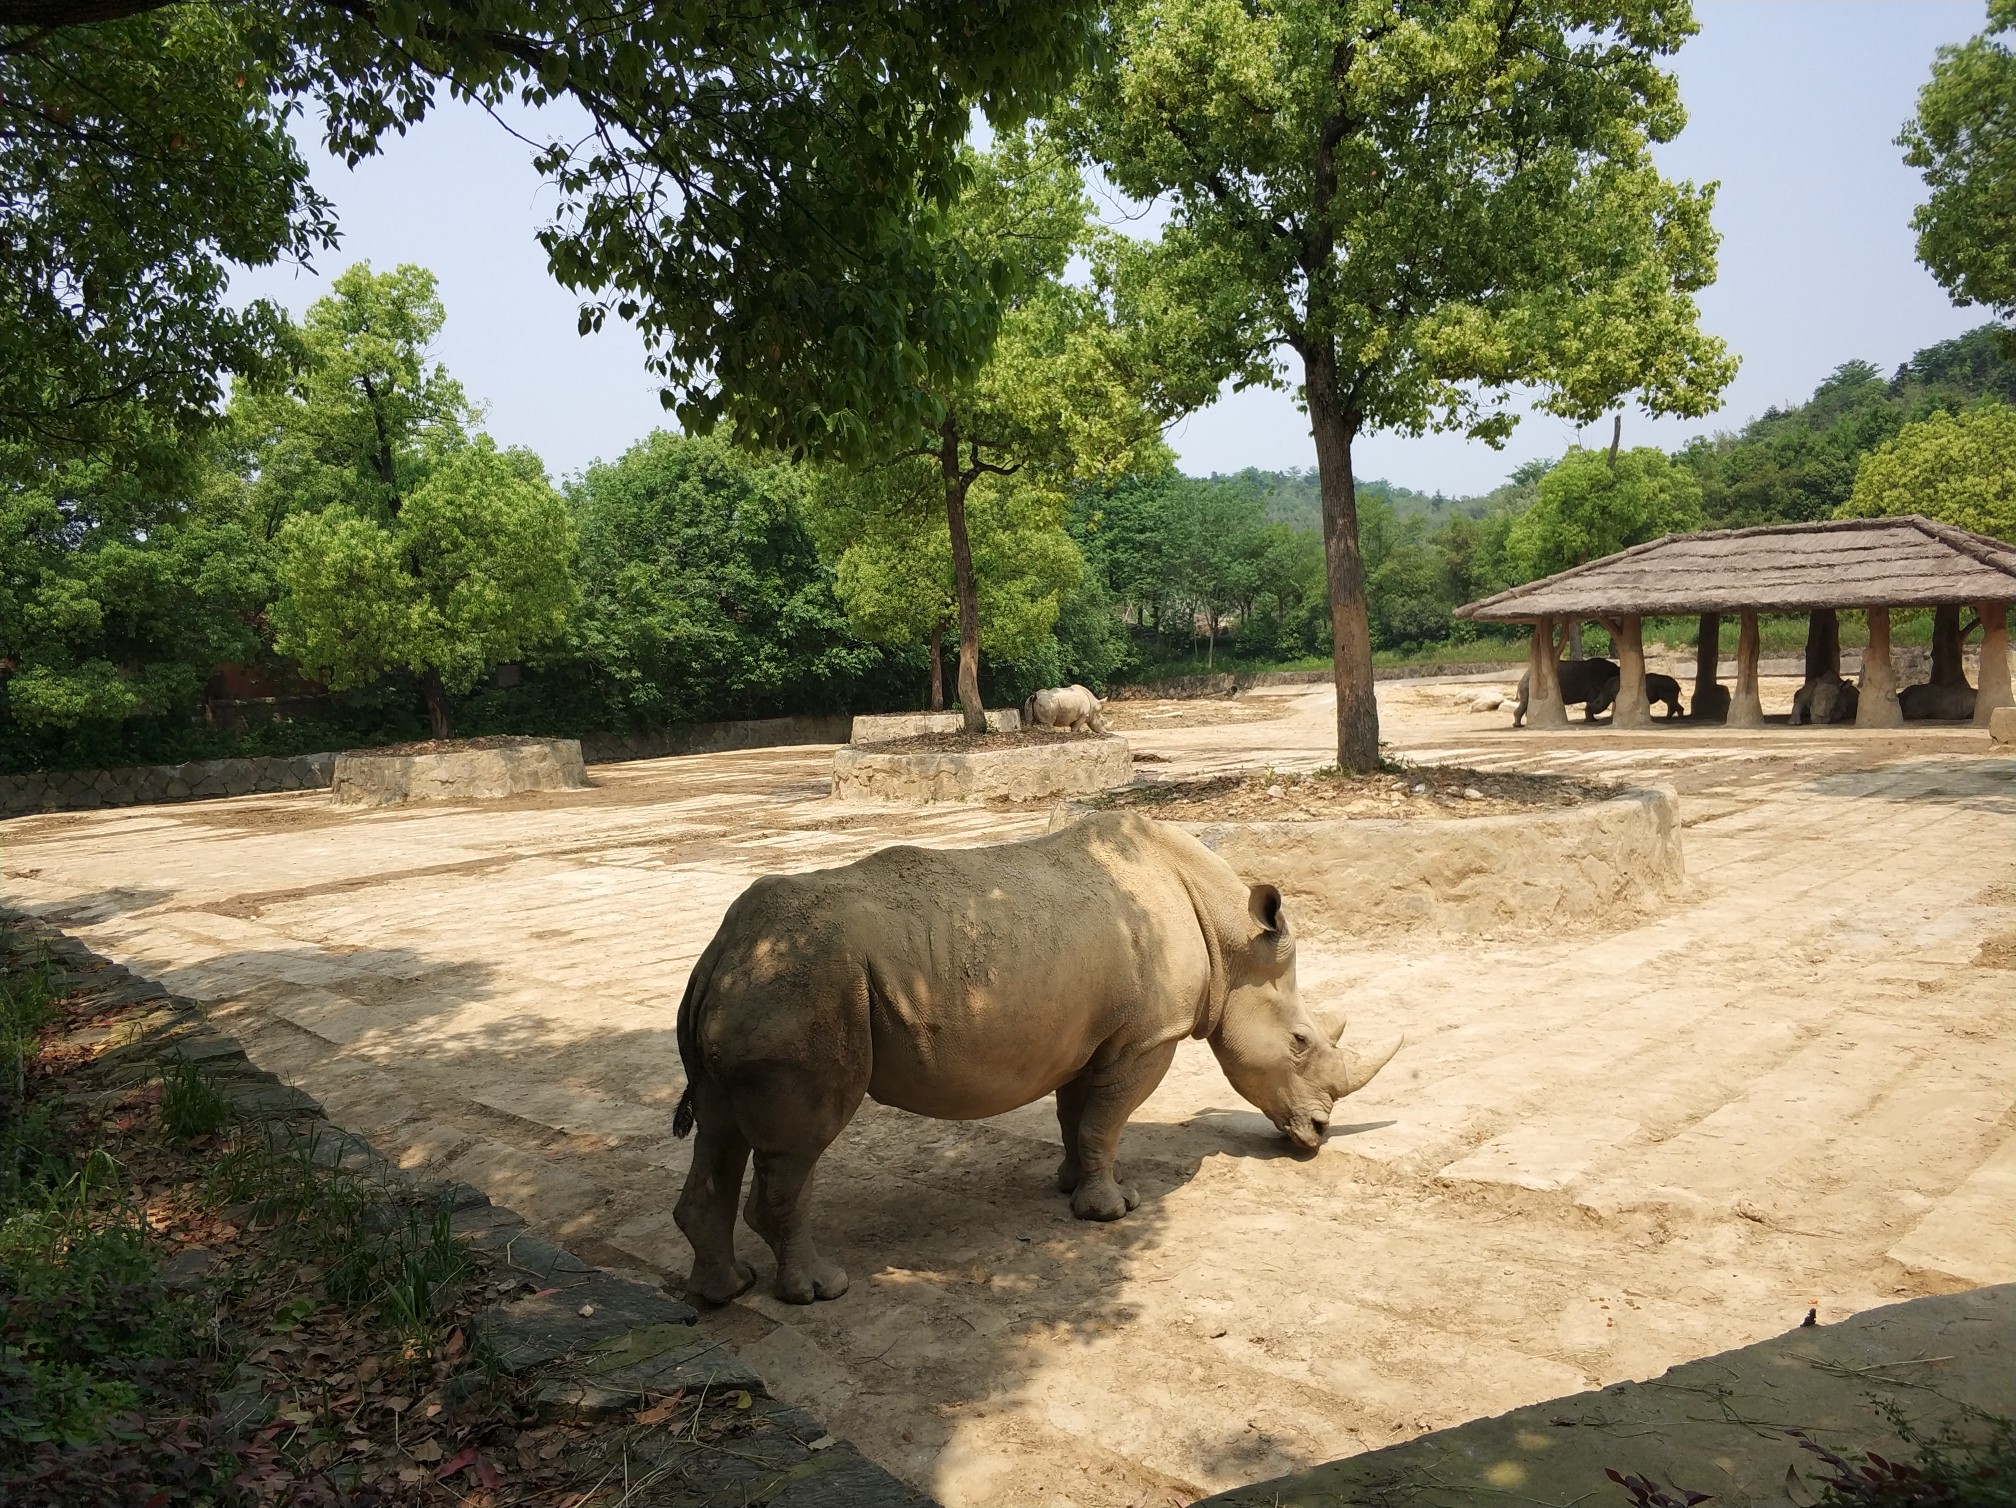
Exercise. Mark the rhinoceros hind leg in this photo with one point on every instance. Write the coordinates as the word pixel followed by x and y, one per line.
pixel 1104 1098
pixel 706 1208
pixel 777 1211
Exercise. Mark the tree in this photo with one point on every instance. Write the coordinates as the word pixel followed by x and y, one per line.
pixel 403 543
pixel 1964 141
pixel 1429 205
pixel 761 187
pixel 703 594
pixel 1590 506
pixel 1957 468
pixel 137 158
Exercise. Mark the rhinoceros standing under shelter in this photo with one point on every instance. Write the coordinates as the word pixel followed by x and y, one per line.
pixel 963 984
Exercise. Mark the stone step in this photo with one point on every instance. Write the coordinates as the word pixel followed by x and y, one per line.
pixel 1971 1233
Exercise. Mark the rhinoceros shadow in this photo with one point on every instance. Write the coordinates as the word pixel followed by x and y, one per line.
pixel 1232 1130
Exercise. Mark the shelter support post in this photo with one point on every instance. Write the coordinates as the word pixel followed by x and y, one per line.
pixel 1711 700
pixel 1633 710
pixel 1878 706
pixel 1823 644
pixel 1745 710
pixel 1994 689
pixel 1544 707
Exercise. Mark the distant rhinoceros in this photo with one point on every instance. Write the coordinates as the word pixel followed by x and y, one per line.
pixel 1662 690
pixel 1928 703
pixel 963 983
pixel 1825 699
pixel 1072 707
pixel 1591 682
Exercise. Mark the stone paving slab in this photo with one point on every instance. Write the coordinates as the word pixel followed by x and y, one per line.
pixel 1718 1426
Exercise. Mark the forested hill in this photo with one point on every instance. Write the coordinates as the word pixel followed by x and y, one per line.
pixel 1785 466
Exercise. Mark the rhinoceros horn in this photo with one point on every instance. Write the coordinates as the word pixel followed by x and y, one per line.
pixel 1355 1070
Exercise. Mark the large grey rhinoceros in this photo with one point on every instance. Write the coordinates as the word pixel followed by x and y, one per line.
pixel 962 984
pixel 1073 707
pixel 1592 682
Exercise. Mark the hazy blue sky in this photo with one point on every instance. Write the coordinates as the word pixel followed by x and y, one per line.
pixel 1794 106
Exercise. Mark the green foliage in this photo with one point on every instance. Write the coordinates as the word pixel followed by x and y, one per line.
pixel 137 158
pixel 1957 468
pixel 704 595
pixel 1587 508
pixel 1798 464
pixel 191 1106
pixel 1964 141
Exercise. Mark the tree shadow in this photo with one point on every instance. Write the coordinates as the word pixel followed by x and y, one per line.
pixel 96 906
pixel 1977 784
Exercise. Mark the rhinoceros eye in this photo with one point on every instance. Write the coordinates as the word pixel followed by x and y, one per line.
pixel 1301 1040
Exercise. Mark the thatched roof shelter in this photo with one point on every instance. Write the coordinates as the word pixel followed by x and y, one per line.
pixel 1780 568
pixel 1871 564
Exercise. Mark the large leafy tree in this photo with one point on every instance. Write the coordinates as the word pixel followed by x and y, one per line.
pixel 1593 503
pixel 137 158
pixel 1428 205
pixel 1964 141
pixel 1957 468
pixel 703 594
pixel 761 187
pixel 405 542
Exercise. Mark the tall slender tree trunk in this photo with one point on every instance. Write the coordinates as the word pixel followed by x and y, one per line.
pixel 1350 626
pixel 937 668
pixel 1575 639
pixel 962 570
pixel 437 704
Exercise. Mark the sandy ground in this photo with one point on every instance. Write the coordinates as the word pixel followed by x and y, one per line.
pixel 1601 1154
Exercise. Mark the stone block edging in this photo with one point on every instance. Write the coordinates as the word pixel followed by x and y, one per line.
pixel 1521 872
pixel 884 726
pixel 1067 765
pixel 593 1343
pixel 367 778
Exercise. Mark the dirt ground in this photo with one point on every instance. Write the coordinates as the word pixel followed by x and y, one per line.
pixel 1426 793
pixel 1600 1154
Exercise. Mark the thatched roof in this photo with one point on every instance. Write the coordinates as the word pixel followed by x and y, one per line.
pixel 1782 568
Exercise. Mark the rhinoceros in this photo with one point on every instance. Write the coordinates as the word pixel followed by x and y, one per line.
pixel 1825 699
pixel 963 984
pixel 1930 703
pixel 1591 682
pixel 1662 690
pixel 1072 707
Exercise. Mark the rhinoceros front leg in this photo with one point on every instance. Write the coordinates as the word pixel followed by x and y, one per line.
pixel 1092 1112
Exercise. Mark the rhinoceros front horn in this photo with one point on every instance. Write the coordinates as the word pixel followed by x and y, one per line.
pixel 1356 1070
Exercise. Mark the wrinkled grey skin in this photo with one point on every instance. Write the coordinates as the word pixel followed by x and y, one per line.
pixel 1825 699
pixel 1928 703
pixel 1591 682
pixel 1073 707
pixel 1662 690
pixel 961 984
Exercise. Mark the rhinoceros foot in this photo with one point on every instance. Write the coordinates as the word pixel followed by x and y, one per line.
pixel 722 1285
pixel 815 1278
pixel 1103 1199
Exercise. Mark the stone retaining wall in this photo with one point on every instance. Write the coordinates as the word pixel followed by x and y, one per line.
pixel 369 778
pixel 140 785
pixel 883 727
pixel 1520 873
pixel 1067 766
pixel 717 738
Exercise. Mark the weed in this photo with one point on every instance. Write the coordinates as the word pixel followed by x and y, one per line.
pixel 1970 1463
pixel 191 1106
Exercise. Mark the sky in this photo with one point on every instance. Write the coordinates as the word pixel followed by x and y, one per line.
pixel 1794 108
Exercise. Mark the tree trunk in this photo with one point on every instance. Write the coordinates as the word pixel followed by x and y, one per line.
pixel 937 668
pixel 962 570
pixel 1745 710
pixel 1575 638
pixel 1344 566
pixel 1947 666
pixel 1823 644
pixel 437 704
pixel 1877 706
pixel 1211 643
pixel 1544 707
pixel 1632 709
pixel 1994 673
pixel 1710 700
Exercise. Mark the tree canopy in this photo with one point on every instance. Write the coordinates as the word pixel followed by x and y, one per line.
pixel 1957 468
pixel 1429 205
pixel 1963 139
pixel 1590 505
pixel 761 188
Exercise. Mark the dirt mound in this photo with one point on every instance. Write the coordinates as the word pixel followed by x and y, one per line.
pixel 453 745
pixel 976 743
pixel 1431 793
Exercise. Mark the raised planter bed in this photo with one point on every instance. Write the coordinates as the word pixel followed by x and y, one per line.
pixel 1519 872
pixel 885 727
pixel 1041 768
pixel 478 770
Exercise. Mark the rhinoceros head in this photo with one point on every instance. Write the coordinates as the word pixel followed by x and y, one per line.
pixel 1276 1054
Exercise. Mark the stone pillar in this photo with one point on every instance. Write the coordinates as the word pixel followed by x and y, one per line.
pixel 1711 700
pixel 1544 708
pixel 1745 710
pixel 1823 644
pixel 1994 689
pixel 1632 710
pixel 1878 707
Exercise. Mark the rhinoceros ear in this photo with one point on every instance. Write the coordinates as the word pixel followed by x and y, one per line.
pixel 1264 903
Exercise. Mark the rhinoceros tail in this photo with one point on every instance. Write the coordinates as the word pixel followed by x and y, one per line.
pixel 682 1118
pixel 688 1034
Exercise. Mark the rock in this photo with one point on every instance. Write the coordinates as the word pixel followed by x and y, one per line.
pixel 1471 793
pixel 1029 772
pixel 1417 790
pixel 532 764
pixel 2002 725
pixel 1277 791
